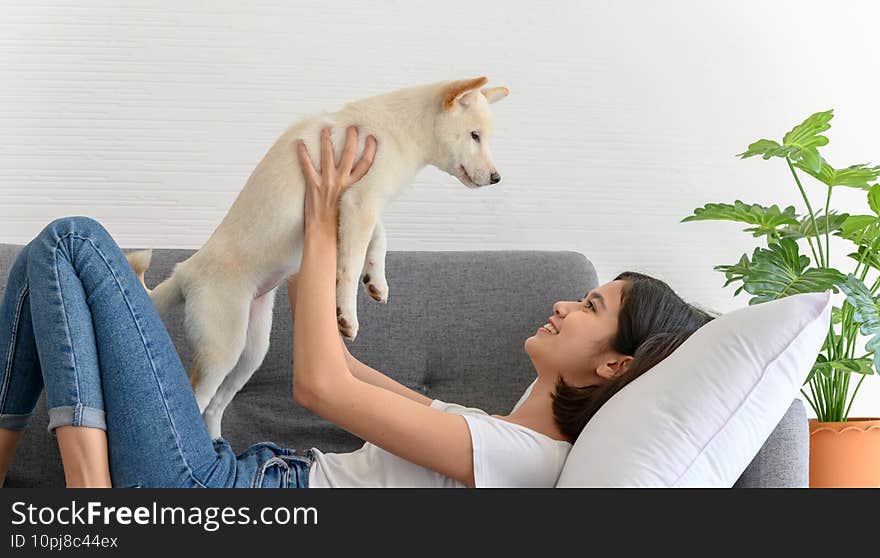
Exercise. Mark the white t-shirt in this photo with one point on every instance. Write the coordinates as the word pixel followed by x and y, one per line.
pixel 505 455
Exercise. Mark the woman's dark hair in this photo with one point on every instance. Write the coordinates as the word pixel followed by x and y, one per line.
pixel 653 322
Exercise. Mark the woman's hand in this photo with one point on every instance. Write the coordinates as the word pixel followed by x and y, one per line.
pixel 324 189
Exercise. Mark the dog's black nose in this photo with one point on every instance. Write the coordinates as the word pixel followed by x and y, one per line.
pixel 494 178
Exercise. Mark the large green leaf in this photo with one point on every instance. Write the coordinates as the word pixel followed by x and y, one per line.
pixel 765 219
pixel 866 255
pixel 836 315
pixel 861 229
pixel 780 270
pixel 857 365
pixel 874 198
pixel 800 144
pixel 817 366
pixel 735 272
pixel 865 313
pixel 850 365
pixel 805 227
pixel 854 176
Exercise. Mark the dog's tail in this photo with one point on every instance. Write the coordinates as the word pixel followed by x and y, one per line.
pixel 167 294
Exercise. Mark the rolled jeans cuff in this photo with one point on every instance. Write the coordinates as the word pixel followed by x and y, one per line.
pixel 77 415
pixel 14 422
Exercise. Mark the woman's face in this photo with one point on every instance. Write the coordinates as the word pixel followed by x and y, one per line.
pixel 575 342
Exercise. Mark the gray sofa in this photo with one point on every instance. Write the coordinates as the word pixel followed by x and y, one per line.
pixel 453 328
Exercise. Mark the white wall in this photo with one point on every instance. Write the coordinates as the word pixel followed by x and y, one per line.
pixel 622 118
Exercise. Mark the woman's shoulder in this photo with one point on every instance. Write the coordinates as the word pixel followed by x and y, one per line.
pixel 507 454
pixel 498 420
pixel 456 408
pixel 541 436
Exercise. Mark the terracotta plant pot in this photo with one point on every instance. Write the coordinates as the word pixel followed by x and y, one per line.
pixel 845 454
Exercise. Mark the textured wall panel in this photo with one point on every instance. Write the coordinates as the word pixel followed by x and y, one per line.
pixel 623 116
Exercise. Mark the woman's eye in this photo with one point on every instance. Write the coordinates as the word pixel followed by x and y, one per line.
pixel 476 136
pixel 589 304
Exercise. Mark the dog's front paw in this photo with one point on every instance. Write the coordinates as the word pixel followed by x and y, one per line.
pixel 376 287
pixel 348 324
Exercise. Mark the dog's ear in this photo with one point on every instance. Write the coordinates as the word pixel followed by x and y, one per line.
pixel 457 90
pixel 494 94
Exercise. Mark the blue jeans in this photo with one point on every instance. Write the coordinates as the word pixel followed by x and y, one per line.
pixel 75 318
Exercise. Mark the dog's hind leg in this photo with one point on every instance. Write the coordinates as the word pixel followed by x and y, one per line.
pixel 167 294
pixel 255 348
pixel 356 223
pixel 373 276
pixel 216 320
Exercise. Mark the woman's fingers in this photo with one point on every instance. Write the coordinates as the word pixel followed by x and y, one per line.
pixel 305 163
pixel 349 151
pixel 328 165
pixel 344 176
pixel 366 161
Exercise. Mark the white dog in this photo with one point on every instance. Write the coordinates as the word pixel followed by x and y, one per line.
pixel 229 284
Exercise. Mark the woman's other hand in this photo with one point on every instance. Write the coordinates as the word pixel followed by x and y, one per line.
pixel 325 188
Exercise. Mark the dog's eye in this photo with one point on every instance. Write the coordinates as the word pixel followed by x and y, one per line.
pixel 476 136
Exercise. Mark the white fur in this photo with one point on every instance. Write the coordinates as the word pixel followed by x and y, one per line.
pixel 228 286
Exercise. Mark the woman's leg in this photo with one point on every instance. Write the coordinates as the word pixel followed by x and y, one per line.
pixel 108 363
pixel 21 380
pixel 83 449
pixel 84 456
pixel 8 440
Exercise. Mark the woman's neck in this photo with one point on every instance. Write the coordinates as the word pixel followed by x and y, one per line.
pixel 536 412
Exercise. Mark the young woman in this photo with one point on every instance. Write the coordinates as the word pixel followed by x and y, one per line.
pixel 75 319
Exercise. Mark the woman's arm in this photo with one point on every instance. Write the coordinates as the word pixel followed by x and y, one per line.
pixel 319 359
pixel 360 370
pixel 323 383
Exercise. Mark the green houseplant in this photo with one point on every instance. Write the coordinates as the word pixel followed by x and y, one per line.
pixel 778 269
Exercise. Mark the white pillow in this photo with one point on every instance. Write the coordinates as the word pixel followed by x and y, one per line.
pixel 699 417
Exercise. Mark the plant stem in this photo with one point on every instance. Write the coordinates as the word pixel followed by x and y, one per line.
pixel 846 415
pixel 813 405
pixel 875 285
pixel 827 227
pixel 845 326
pixel 835 379
pixel 867 267
pixel 819 396
pixel 858 243
pixel 813 392
pixel 868 250
pixel 812 215
pixel 832 346
pixel 852 341
pixel 820 409
pixel 843 396
pixel 828 392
